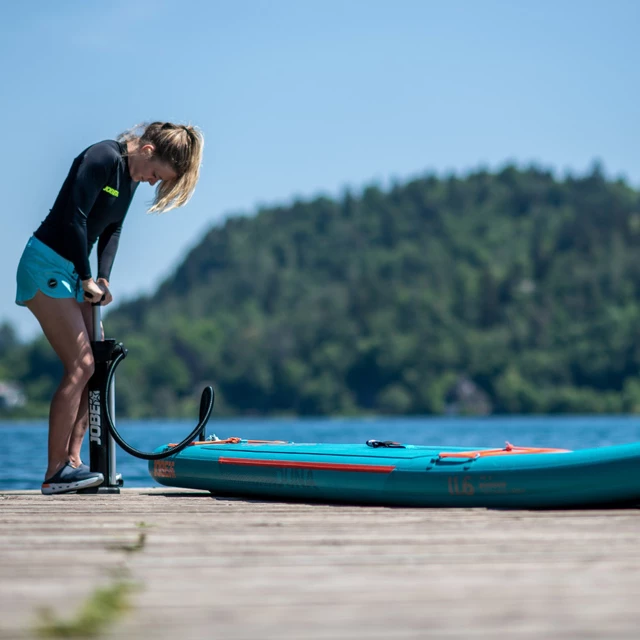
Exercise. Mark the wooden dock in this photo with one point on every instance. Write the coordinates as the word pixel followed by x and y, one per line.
pixel 222 568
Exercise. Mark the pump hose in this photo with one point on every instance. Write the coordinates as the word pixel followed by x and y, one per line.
pixel 206 406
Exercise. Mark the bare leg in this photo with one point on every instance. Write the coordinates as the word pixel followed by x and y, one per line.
pixel 82 419
pixel 63 324
pixel 79 429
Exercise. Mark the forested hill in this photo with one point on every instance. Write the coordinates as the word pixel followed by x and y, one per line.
pixel 509 292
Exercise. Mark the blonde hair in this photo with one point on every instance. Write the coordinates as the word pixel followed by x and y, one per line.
pixel 180 146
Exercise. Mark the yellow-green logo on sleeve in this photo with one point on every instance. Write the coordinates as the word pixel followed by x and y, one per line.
pixel 112 191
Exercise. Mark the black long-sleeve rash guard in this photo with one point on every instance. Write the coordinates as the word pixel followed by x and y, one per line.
pixel 92 205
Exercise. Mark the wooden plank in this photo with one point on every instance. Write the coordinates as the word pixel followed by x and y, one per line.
pixel 231 568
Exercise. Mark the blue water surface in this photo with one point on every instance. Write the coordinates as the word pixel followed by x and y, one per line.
pixel 23 450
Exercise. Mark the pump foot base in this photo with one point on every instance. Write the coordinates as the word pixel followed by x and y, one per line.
pixel 100 489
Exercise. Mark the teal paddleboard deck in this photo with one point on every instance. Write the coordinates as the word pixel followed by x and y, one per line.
pixel 385 473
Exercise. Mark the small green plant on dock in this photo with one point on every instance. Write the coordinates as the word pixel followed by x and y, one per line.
pixel 103 607
pixel 134 547
pixel 100 610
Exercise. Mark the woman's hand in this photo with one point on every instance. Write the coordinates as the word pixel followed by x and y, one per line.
pixel 93 292
pixel 104 283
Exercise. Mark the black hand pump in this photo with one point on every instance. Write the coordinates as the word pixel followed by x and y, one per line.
pixel 103 434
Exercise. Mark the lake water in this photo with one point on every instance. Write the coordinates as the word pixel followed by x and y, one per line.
pixel 23 447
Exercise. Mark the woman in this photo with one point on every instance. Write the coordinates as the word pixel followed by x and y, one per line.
pixel 54 275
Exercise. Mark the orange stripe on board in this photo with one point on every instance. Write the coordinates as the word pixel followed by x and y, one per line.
pixel 231 441
pixel 320 466
pixel 508 451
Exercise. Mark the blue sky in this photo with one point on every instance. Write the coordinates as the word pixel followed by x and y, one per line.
pixel 302 97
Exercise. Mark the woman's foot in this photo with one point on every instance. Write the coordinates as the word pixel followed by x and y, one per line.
pixel 69 479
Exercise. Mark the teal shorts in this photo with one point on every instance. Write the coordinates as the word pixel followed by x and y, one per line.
pixel 42 269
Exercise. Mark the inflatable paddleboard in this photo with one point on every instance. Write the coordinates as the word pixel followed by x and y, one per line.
pixel 390 473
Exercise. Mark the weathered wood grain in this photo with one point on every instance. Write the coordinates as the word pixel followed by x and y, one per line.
pixel 229 568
